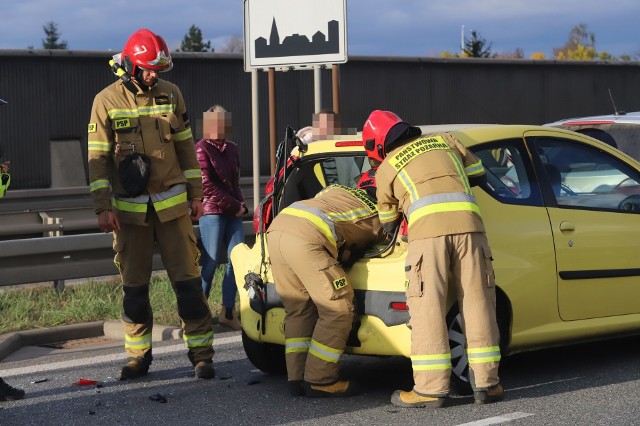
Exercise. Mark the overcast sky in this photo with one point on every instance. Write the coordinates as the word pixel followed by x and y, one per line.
pixel 375 27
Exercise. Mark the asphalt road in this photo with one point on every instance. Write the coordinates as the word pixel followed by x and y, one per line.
pixel 590 384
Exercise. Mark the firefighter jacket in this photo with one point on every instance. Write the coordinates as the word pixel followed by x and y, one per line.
pixel 427 180
pixel 153 122
pixel 342 219
pixel 220 166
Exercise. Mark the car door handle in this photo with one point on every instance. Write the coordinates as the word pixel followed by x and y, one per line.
pixel 567 226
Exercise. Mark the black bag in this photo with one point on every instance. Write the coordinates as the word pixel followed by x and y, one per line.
pixel 134 172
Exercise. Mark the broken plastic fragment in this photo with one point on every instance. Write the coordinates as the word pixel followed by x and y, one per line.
pixel 85 382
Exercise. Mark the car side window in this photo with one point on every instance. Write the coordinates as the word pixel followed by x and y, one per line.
pixel 585 177
pixel 343 170
pixel 508 172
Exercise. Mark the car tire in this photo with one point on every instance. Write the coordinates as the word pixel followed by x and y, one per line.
pixel 459 362
pixel 267 357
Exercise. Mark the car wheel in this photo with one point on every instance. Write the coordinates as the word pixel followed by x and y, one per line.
pixel 630 204
pixel 459 361
pixel 267 357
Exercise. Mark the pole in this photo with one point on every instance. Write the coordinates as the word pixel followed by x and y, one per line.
pixel 272 119
pixel 255 134
pixel 317 88
pixel 335 85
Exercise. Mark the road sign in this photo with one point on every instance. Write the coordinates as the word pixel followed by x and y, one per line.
pixel 288 34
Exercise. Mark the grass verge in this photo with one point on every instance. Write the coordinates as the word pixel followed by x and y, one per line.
pixel 92 300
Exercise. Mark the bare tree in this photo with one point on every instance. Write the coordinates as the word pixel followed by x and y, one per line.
pixel 234 44
pixel 516 54
pixel 581 44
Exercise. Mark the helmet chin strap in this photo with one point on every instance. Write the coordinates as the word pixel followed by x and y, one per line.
pixel 123 75
pixel 141 82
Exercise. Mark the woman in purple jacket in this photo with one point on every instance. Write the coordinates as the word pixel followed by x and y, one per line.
pixel 224 206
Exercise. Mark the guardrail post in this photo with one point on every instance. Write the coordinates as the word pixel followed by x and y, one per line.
pixel 58 285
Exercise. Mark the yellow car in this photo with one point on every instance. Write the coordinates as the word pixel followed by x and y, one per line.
pixel 562 213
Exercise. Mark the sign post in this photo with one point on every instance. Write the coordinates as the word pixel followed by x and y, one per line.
pixel 288 35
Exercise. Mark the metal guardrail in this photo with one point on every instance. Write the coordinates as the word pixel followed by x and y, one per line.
pixel 52 212
pixel 34 247
pixel 66 257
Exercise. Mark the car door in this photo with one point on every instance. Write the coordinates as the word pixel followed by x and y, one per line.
pixel 519 235
pixel 589 194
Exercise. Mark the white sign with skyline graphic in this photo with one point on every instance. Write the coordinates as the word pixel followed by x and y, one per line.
pixel 294 33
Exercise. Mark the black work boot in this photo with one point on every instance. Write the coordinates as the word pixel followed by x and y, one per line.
pixel 296 388
pixel 492 394
pixel 205 370
pixel 136 367
pixel 9 393
pixel 337 389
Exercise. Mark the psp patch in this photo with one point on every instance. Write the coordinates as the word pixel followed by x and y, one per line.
pixel 93 127
pixel 122 123
pixel 340 283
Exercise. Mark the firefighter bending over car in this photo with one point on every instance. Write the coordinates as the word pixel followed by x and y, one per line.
pixel 310 242
pixel 144 176
pixel 427 179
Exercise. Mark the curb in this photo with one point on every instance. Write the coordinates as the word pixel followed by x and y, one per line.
pixel 12 342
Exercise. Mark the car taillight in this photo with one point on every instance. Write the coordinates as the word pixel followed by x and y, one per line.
pixel 588 123
pixel 348 143
pixel 399 306
pixel 256 220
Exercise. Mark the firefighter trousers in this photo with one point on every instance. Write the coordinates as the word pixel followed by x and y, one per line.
pixel 465 259
pixel 318 301
pixel 134 246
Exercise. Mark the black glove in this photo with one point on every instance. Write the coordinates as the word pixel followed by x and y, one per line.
pixel 350 255
pixel 478 181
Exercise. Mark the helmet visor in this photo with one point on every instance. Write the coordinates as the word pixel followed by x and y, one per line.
pixel 162 60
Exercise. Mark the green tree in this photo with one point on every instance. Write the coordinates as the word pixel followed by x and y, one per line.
pixel 52 37
pixel 192 41
pixel 476 46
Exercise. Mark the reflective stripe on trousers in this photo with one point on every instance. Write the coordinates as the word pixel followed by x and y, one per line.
pixel 483 355
pixel 198 340
pixel 139 343
pixel 297 344
pixel 324 352
pixel 431 362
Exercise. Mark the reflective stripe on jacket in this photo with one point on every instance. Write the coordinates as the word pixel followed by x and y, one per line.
pixel 427 179
pixel 335 216
pixel 153 122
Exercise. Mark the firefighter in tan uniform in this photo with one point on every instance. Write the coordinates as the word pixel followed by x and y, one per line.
pixel 144 176
pixel 427 179
pixel 307 242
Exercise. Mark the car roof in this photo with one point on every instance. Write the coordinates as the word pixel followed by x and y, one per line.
pixel 620 118
pixel 468 134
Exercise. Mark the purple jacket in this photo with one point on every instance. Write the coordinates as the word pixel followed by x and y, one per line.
pixel 220 168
